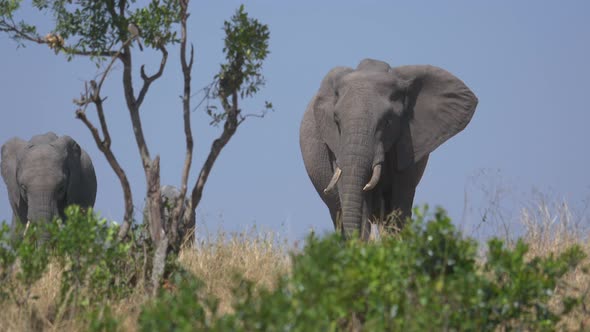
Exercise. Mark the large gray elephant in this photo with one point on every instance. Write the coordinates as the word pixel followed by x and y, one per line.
pixel 367 134
pixel 46 174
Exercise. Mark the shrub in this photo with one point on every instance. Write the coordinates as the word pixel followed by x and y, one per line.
pixel 427 278
pixel 94 267
pixel 183 309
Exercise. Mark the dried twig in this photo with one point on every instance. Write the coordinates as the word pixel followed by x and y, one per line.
pixel 147 80
pixel 92 95
pixel 186 114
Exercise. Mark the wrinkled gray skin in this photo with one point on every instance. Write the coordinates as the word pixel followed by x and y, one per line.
pixel 170 195
pixel 376 117
pixel 45 175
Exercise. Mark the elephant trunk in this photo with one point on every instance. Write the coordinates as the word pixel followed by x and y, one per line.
pixel 352 206
pixel 359 176
pixel 42 209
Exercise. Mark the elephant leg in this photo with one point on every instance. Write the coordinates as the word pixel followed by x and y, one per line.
pixel 404 189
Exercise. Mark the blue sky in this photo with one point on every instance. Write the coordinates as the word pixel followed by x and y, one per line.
pixel 526 61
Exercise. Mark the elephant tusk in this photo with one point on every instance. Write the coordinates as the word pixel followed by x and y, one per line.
pixel 334 180
pixel 374 178
pixel 27 227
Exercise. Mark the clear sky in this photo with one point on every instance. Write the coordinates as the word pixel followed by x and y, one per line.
pixel 527 61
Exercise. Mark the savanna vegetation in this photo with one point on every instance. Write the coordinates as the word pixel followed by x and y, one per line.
pixel 429 276
pixel 94 275
pixel 107 33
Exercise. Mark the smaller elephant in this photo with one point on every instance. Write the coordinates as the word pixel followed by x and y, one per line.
pixel 186 227
pixel 45 175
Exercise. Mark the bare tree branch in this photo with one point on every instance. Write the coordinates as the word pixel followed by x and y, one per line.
pixel 206 94
pixel 251 115
pixel 186 114
pixel 92 95
pixel 157 228
pixel 229 129
pixel 159 262
pixel 133 110
pixel 151 168
pixel 147 80
pixel 104 146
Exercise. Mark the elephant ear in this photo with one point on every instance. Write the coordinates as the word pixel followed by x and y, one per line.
pixel 73 154
pixel 82 177
pixel 11 152
pixel 438 106
pixel 323 107
pixel 88 184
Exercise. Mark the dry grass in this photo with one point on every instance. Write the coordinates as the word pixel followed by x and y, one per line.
pixel 258 256
pixel 549 229
pixel 262 256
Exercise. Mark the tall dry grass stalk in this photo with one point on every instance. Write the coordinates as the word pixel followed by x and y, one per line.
pixel 257 256
pixel 32 309
pixel 552 228
pixel 262 256
pixel 549 229
pixel 38 309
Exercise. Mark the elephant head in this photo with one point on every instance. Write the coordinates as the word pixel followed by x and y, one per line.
pixel 46 174
pixel 169 196
pixel 377 121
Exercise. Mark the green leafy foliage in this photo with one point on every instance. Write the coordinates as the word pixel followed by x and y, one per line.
pixel 95 267
pixel 245 48
pixel 7 7
pixel 157 21
pixel 102 319
pixel 28 261
pixel 7 259
pixel 16 30
pixel 427 278
pixel 183 309
pixel 91 258
pixel 521 289
pixel 89 25
pixel 94 27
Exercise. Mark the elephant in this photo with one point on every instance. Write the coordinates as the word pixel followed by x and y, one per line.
pixel 366 136
pixel 169 197
pixel 45 175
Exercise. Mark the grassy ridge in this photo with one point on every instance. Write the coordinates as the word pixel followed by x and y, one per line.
pixel 260 258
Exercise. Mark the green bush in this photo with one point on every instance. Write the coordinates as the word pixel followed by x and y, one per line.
pixel 427 278
pixel 92 260
pixel 95 267
pixel 26 258
pixel 182 310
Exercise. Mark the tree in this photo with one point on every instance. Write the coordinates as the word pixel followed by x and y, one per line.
pixel 106 31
